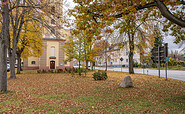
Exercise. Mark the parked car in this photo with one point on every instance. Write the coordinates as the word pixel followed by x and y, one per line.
pixel 15 65
pixel 8 67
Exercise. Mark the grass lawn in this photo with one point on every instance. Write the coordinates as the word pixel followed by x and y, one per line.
pixel 62 93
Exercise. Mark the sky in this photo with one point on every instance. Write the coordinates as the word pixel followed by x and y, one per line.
pixel 69 4
pixel 172 46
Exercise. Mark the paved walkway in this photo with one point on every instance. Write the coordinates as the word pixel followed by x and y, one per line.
pixel 174 74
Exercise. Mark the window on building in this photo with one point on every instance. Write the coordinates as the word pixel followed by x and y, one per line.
pixel 65 35
pixel 127 60
pixel 33 62
pixel 52 51
pixel 53 9
pixel 53 31
pixel 127 53
pixel 52 21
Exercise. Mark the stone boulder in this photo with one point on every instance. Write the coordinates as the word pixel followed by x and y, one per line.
pixel 127 82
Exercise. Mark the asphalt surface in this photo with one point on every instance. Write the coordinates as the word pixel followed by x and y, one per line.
pixel 174 74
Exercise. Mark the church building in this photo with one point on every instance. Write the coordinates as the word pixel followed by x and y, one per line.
pixel 54 38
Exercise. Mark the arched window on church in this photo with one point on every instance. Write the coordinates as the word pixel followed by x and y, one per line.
pixel 53 9
pixel 53 31
pixel 52 51
pixel 52 21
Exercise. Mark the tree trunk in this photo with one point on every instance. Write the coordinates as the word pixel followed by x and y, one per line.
pixel 92 63
pixel 12 53
pixel 12 66
pixel 3 66
pixel 166 13
pixel 87 64
pixel 4 41
pixel 85 72
pixel 131 53
pixel 79 69
pixel 19 63
pixel 131 69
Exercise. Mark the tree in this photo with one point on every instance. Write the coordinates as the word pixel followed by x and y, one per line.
pixel 30 39
pixel 74 49
pixel 158 40
pixel 16 23
pixel 144 42
pixel 129 25
pixel 109 10
pixel 4 40
pixel 31 10
pixel 85 33
pixel 80 47
pixel 106 12
pixel 100 45
pixel 16 10
pixel 89 52
pixel 129 6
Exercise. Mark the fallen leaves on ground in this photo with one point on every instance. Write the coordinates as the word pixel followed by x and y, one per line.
pixel 62 93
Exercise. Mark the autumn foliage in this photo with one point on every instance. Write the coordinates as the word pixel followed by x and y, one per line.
pixel 61 93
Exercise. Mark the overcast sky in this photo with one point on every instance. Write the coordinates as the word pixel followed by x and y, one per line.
pixel 68 4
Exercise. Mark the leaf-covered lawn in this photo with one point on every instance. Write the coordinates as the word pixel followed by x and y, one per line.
pixel 62 93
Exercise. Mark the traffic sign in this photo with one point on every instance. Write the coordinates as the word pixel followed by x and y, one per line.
pixel 161 51
pixel 167 59
pixel 121 59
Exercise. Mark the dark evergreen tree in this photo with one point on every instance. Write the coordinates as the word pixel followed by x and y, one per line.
pixel 158 41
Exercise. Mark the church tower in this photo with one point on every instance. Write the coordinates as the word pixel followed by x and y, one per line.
pixel 53 19
pixel 54 37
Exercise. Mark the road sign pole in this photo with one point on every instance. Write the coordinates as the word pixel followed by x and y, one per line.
pixel 159 60
pixel 184 59
pixel 166 66
pixel 121 59
pixel 121 66
pixel 166 61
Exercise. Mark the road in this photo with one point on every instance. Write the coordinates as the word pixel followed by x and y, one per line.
pixel 174 74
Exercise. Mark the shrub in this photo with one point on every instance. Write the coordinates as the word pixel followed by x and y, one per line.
pixel 50 71
pixel 100 75
pixel 154 65
pixel 38 71
pixel 59 70
pixel 44 71
pixel 181 63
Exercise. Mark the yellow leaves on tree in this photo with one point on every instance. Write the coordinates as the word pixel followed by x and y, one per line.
pixel 30 41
